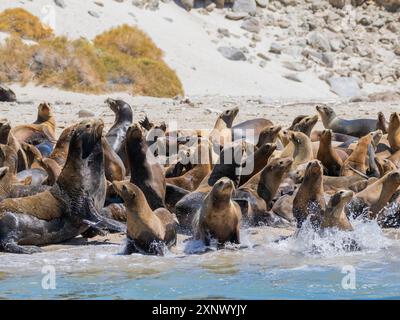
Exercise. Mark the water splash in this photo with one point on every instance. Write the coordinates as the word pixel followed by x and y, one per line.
pixel 366 237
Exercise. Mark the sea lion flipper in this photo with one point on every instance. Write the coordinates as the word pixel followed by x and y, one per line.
pixel 12 247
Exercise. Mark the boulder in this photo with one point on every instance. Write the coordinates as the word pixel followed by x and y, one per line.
pixel 60 3
pixel 236 15
pixel 252 25
pixel 318 41
pixel 248 6
pixel 344 86
pixel 232 53
pixel 6 94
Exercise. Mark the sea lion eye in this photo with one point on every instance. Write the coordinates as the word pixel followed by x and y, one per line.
pixel 87 126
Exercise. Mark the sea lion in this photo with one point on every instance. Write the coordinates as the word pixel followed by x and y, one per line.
pixel 334 184
pixel 302 152
pixel 41 131
pixel 250 130
pixel 255 162
pixel 328 155
pixel 219 217
pixel 260 190
pixel 334 216
pixel 64 211
pixel 394 131
pixel 117 133
pixel 146 172
pixel 222 132
pixel 60 151
pixel 382 123
pixel 304 124
pixel 357 160
pixel 228 165
pixel 309 199
pixel 148 231
pixel 372 199
pixel 5 128
pixel 356 127
pixel 114 167
pixel 384 165
pixel 201 159
pixel 268 135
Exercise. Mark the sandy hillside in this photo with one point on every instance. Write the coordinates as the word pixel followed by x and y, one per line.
pixel 190 41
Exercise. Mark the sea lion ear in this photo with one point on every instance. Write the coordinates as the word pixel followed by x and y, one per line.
pixel 163 126
pixel 27 181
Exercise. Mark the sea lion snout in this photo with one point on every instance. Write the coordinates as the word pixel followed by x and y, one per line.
pixel 134 131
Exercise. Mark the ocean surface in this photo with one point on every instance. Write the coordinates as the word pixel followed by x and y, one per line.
pixel 308 266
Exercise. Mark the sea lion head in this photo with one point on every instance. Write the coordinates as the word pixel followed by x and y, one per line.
pixel 298 138
pixel 86 135
pixel 130 193
pixel 394 120
pixel 228 116
pixel 326 135
pixel 376 137
pixel 134 133
pixel 393 177
pixel 314 170
pixel 279 165
pixel 340 198
pixel 269 134
pixel 45 112
pixel 384 165
pixel 306 124
pixel 121 109
pixel 222 189
pixel 326 113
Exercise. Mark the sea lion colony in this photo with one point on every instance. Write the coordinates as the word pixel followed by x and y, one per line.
pixel 151 183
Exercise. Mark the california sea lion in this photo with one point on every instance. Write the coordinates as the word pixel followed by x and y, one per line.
pixel 309 199
pixel 114 167
pixel 334 216
pixel 394 131
pixel 382 123
pixel 328 155
pixel 250 129
pixel 146 172
pixel 5 128
pixel 260 190
pixel 123 119
pixel 304 124
pixel 268 135
pixel 148 231
pixel 60 151
pixel 356 127
pixel 372 199
pixel 219 216
pixel 357 159
pixel 302 152
pixel 222 132
pixel 60 213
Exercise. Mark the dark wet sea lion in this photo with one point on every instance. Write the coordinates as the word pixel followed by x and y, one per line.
pixel 64 211
pixel 309 199
pixel 260 190
pixel 370 201
pixel 334 216
pixel 382 123
pixel 328 155
pixel 356 127
pixel 117 133
pixel 389 216
pixel 5 128
pixel 146 172
pixel 394 131
pixel 148 231
pixel 255 162
pixel 219 217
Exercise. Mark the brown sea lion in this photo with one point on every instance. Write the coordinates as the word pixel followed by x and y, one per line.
pixel 260 190
pixel 309 199
pixel 114 167
pixel 394 131
pixel 382 123
pixel 60 151
pixel 255 162
pixel 146 172
pixel 201 162
pixel 384 165
pixel 356 127
pixel 334 216
pixel 357 159
pixel 64 211
pixel 46 118
pixel 372 199
pixel 219 217
pixel 148 231
pixel 334 184
pixel 222 132
pixel 268 135
pixel 328 155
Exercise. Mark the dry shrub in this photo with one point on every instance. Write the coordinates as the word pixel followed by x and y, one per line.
pixel 24 24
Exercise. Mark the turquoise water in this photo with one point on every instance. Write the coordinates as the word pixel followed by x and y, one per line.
pixel 263 270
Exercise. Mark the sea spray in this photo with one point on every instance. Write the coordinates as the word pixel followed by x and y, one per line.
pixel 366 237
